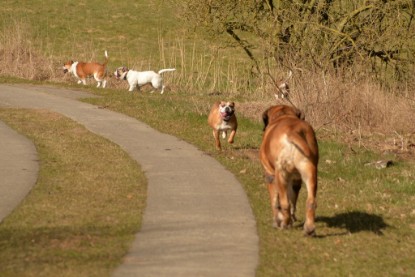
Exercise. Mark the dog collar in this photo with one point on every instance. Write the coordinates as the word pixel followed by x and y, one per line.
pixel 125 75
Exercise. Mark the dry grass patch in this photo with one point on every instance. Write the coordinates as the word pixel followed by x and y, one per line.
pixel 19 58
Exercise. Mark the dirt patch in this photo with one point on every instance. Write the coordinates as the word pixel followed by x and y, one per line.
pixel 254 110
pixel 401 146
pixel 252 154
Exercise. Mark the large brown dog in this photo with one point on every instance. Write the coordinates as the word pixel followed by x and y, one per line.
pixel 289 155
pixel 83 70
pixel 222 118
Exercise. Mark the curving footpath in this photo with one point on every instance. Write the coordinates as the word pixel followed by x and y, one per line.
pixel 197 222
pixel 18 168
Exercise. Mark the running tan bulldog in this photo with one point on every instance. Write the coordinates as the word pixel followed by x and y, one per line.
pixel 222 118
pixel 289 155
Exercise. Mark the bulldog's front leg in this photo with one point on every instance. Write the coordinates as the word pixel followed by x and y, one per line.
pixel 232 135
pixel 217 139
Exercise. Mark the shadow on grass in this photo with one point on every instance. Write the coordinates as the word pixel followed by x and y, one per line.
pixel 355 222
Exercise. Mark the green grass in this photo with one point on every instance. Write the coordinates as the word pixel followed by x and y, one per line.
pixel 129 30
pixel 80 217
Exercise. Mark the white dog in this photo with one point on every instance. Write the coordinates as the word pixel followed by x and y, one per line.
pixel 140 78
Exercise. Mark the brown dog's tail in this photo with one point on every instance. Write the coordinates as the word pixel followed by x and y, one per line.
pixel 303 144
pixel 106 58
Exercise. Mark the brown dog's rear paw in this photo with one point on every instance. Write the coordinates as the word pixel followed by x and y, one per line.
pixel 281 224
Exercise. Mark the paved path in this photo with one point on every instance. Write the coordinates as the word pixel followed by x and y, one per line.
pixel 18 168
pixel 197 222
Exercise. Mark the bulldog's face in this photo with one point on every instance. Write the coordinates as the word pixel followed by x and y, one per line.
pixel 120 72
pixel 67 66
pixel 226 109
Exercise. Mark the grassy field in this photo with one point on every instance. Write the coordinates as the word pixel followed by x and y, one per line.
pixel 84 29
pixel 365 216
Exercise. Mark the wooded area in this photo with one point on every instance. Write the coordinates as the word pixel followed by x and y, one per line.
pixel 374 37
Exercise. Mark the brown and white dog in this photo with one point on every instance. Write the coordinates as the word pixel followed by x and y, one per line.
pixel 289 155
pixel 222 118
pixel 82 70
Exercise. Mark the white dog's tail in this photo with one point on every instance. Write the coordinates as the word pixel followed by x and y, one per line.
pixel 106 57
pixel 166 70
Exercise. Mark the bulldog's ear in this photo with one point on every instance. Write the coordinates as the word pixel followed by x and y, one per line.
pixel 124 69
pixel 232 104
pixel 300 114
pixel 265 119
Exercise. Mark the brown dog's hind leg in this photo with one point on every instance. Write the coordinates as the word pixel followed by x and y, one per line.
pixel 284 203
pixel 273 197
pixel 293 192
pixel 311 203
